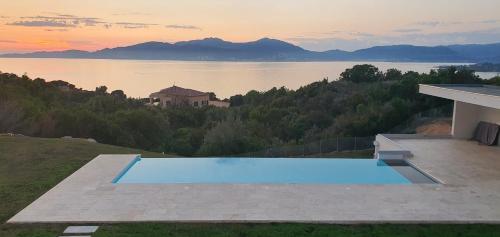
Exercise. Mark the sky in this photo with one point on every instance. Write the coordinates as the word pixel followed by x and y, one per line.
pixel 34 25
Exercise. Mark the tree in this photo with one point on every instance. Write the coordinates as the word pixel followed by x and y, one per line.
pixel 101 90
pixel 393 75
pixel 362 73
pixel 494 81
pixel 185 141
pixel 11 117
pixel 119 94
pixel 228 137
pixel 236 100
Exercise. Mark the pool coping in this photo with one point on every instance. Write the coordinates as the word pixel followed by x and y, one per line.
pixel 126 169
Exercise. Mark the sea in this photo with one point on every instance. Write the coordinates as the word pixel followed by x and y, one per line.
pixel 139 78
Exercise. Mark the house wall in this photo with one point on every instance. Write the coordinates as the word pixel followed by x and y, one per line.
pixel 173 100
pixel 198 101
pixel 467 116
pixel 195 101
pixel 222 104
pixel 167 100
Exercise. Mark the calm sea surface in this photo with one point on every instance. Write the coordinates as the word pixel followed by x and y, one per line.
pixel 139 78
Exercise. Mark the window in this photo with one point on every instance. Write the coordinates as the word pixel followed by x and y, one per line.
pixel 196 104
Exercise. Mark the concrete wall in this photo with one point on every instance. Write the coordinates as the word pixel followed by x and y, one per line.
pixel 384 143
pixel 467 116
pixel 387 148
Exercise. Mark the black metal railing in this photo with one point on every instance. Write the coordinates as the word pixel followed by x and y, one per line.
pixel 320 148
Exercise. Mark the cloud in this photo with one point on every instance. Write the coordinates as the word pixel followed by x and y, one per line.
pixel 427 23
pixel 345 33
pixel 490 21
pixel 407 30
pixel 131 14
pixel 454 23
pixel 8 41
pixel 57 20
pixel 56 30
pixel 133 25
pixel 43 23
pixel 183 27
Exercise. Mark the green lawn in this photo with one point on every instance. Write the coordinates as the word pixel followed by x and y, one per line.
pixel 296 230
pixel 31 166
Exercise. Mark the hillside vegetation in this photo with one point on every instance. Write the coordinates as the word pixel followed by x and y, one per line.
pixel 363 102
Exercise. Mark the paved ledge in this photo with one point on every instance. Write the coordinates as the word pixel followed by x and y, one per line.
pixel 470 193
pixel 80 229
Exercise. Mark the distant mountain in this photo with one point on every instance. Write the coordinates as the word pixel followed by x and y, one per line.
pixel 57 54
pixel 409 53
pixel 479 52
pixel 215 49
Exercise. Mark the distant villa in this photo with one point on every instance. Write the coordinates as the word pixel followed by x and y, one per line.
pixel 178 96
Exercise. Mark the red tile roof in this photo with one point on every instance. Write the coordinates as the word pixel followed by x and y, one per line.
pixel 179 91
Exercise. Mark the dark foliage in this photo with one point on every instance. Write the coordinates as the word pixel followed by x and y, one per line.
pixel 364 102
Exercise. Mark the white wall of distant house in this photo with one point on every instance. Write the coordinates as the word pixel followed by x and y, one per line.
pixel 216 103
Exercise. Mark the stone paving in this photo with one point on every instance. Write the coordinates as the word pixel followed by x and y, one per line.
pixel 469 193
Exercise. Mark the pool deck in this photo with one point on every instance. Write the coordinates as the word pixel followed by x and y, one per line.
pixel 469 193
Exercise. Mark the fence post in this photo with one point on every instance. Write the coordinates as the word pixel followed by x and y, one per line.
pixel 337 143
pixel 320 150
pixel 355 143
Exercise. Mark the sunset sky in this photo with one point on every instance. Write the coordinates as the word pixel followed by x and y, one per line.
pixel 34 25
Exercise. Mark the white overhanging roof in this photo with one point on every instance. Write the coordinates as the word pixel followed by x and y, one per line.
pixel 483 95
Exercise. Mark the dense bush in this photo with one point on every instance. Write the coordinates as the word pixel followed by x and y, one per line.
pixel 363 102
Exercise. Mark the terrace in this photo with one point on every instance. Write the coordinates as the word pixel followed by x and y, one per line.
pixel 468 190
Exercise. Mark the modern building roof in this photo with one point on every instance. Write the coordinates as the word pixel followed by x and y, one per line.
pixel 179 91
pixel 484 95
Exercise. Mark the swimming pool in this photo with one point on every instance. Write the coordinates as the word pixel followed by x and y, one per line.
pixel 268 171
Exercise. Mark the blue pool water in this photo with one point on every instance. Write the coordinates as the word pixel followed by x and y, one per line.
pixel 260 171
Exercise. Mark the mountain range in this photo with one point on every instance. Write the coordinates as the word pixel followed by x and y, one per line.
pixel 215 49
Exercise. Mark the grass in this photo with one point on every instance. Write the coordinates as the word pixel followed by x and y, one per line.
pixel 31 166
pixel 295 230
